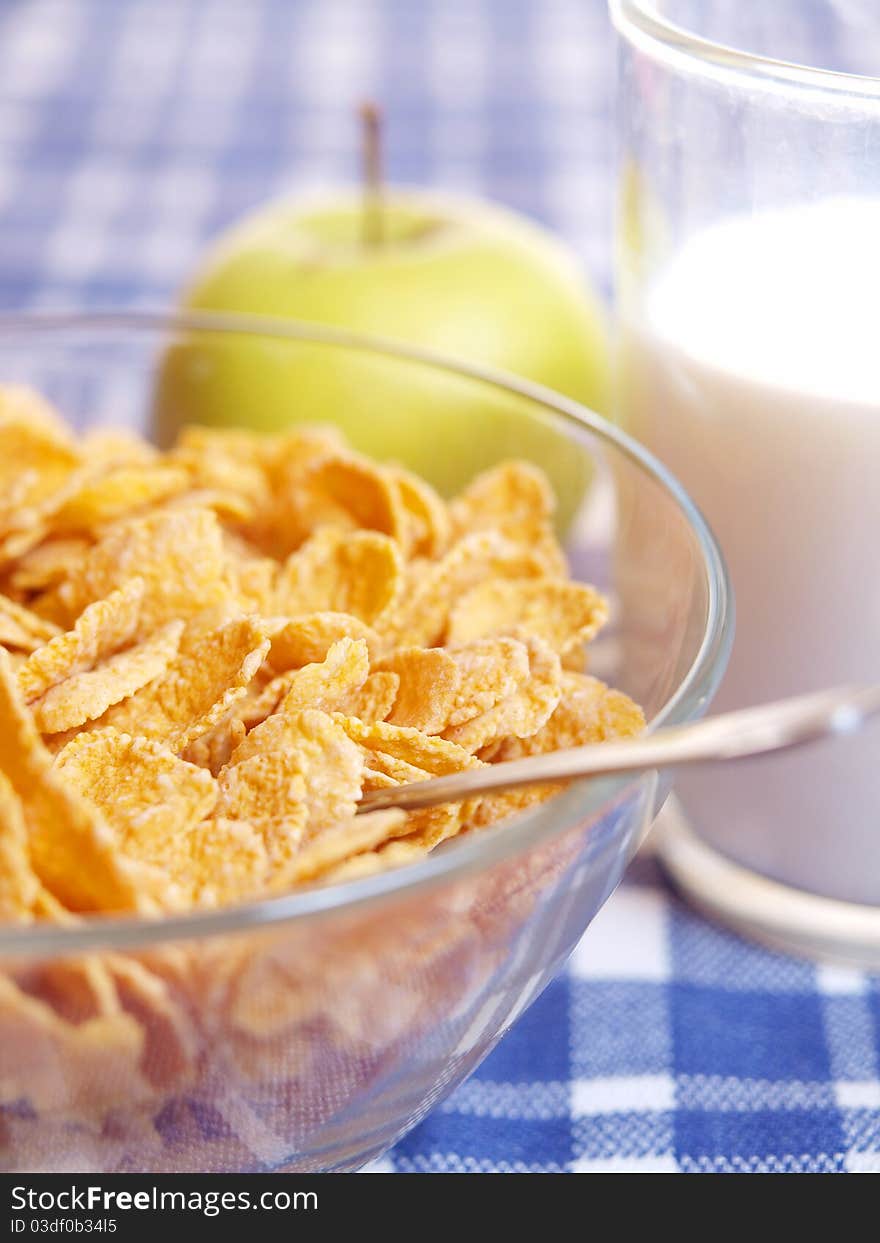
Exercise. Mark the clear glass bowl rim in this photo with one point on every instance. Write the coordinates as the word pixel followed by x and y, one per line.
pixel 462 857
pixel 639 22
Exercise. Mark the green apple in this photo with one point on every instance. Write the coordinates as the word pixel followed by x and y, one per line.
pixel 465 278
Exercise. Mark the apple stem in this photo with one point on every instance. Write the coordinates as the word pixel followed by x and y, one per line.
pixel 371 165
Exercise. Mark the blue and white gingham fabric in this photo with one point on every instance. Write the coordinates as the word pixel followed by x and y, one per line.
pixel 671 1045
pixel 131 131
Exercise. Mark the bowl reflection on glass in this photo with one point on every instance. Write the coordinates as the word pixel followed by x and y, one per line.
pixel 311 1031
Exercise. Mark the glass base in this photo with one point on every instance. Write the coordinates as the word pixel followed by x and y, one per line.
pixel 782 918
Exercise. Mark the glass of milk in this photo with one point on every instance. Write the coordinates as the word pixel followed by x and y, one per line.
pixel 749 301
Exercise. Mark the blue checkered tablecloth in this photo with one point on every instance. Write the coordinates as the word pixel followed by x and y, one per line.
pixel 133 130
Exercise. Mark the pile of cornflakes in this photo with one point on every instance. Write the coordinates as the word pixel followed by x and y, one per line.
pixel 209 654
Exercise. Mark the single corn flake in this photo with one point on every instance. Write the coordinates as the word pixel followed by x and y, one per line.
pixel 252 583
pixel 427 526
pixel 520 713
pixel 358 490
pixel 213 750
pixel 177 552
pixel 307 744
pixel 60 681
pixel 344 669
pixel 490 670
pixel 224 861
pixel 307 640
pixel 87 696
pixel 374 700
pixel 223 461
pixel 110 496
pixel 429 824
pixel 48 563
pixel 563 614
pixel 147 795
pixel 198 686
pixel 263 698
pixel 21 629
pixel 513 496
pixel 268 792
pixel 72 850
pixel 290 510
pixel 516 500
pixel 341 571
pixel 429 684
pixel 289 458
pixel 101 629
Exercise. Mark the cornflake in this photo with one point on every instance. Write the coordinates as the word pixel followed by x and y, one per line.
pixel 210 654
pixel 150 799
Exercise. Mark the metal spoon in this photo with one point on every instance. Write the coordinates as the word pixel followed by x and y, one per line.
pixel 731 736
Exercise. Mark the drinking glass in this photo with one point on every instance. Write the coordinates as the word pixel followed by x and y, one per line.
pixel 748 285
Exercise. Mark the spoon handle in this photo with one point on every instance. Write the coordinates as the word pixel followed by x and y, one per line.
pixel 733 735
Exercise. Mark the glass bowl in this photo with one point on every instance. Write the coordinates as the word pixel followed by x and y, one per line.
pixel 311 1031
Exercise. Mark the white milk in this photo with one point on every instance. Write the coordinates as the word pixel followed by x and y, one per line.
pixel 754 374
